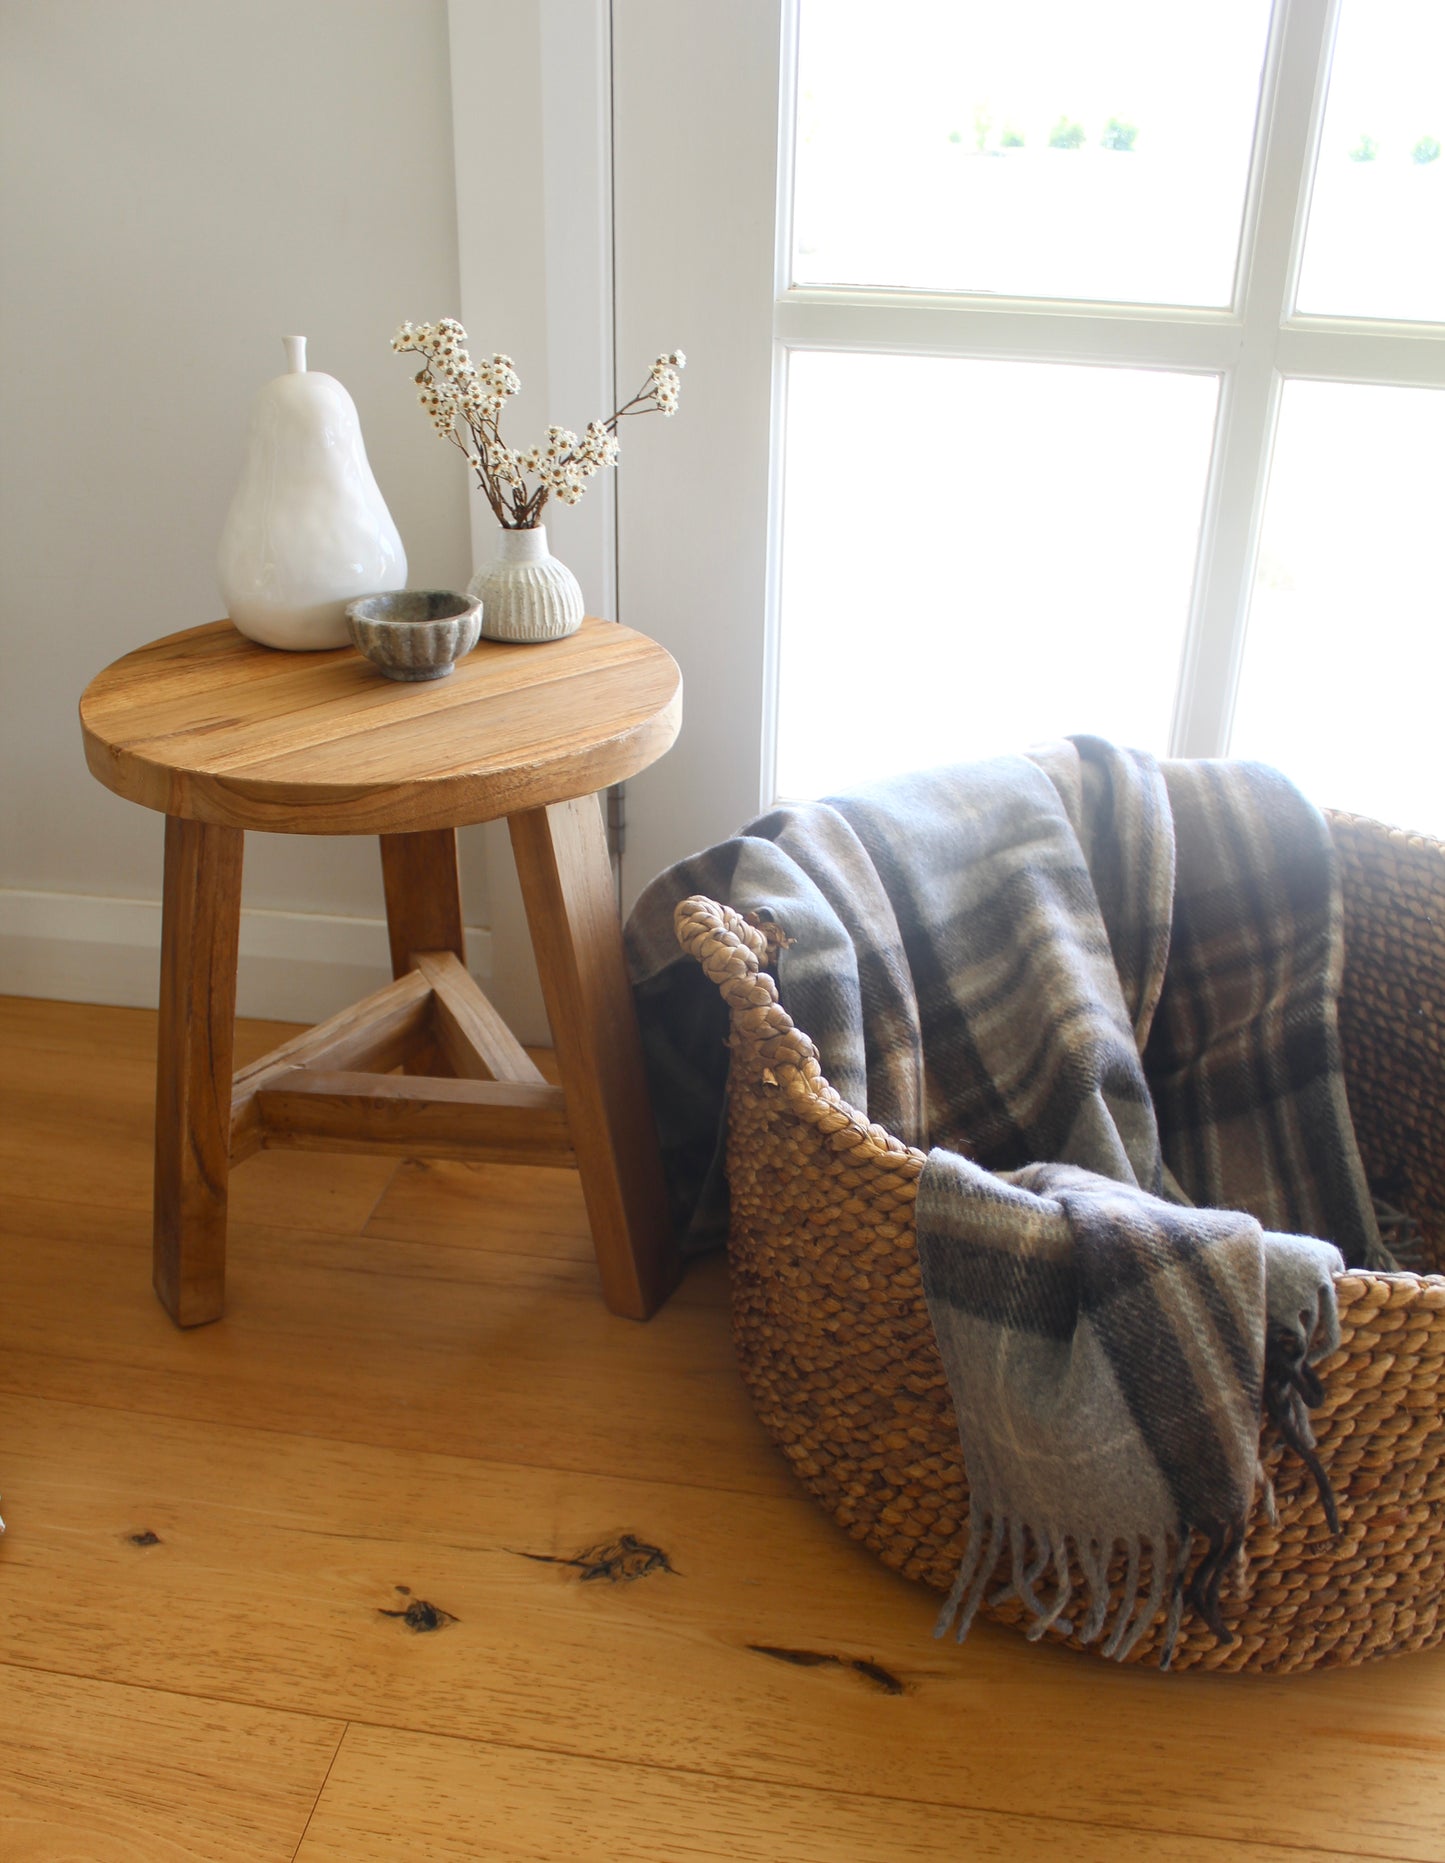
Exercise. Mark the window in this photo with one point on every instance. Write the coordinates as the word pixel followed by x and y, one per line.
pixel 1111 342
pixel 1011 556
pixel 1070 366
pixel 1063 150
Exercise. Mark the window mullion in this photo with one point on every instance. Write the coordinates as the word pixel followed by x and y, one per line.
pixel 1244 435
pixel 1341 350
pixel 1234 504
pixel 1027 331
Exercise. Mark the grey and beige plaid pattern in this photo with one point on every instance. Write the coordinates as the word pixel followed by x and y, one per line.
pixel 1101 989
pixel 1243 1059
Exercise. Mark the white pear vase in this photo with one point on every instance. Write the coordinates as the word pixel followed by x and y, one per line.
pixel 308 530
pixel 526 594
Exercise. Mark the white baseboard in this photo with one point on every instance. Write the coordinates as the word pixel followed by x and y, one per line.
pixel 294 966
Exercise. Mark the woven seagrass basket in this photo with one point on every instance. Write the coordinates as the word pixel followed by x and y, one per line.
pixel 838 1353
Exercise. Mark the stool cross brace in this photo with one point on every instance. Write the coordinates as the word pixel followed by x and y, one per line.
pixel 424 1067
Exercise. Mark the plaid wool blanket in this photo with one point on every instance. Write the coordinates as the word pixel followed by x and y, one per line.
pixel 1100 991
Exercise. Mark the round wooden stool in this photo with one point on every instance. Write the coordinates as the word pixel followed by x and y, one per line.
pixel 222 735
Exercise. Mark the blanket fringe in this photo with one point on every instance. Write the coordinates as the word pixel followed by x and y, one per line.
pixel 1292 1388
pixel 1032 1551
pixel 1114 1649
pixel 974 1572
pixel 1225 1541
pixel 1061 1596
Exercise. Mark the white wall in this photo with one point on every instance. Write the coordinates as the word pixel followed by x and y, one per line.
pixel 184 181
pixel 531 115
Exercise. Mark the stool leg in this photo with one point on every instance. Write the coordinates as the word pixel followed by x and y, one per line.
pixel 200 931
pixel 423 895
pixel 572 911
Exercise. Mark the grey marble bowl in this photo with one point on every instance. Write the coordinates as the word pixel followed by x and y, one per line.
pixel 415 633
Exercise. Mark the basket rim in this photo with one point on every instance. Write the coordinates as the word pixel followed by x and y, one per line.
pixel 1409 837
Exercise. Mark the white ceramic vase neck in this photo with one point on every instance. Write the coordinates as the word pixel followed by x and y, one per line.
pixel 526 594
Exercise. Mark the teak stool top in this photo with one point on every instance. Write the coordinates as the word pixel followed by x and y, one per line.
pixel 221 736
pixel 211 727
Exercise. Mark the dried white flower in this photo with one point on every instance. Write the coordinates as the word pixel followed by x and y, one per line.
pixel 464 401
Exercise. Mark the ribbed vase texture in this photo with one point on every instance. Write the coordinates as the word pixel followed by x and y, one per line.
pixel 526 594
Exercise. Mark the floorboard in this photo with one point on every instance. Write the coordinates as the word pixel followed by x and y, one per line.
pixel 512 1357
pixel 456 1801
pixel 318 1574
pixel 90 1770
pixel 278 1570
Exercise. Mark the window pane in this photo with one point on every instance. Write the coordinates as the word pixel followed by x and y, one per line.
pixel 978 555
pixel 1376 241
pixel 1344 666
pixel 1040 149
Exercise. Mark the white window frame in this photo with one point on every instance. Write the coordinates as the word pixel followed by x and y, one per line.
pixel 702 130
pixel 1252 347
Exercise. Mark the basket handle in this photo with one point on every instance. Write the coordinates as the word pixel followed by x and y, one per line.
pixel 732 951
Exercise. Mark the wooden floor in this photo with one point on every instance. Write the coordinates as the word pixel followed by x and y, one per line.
pixel 420 1554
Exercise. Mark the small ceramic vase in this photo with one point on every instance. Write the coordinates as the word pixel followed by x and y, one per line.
pixel 526 594
pixel 308 530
